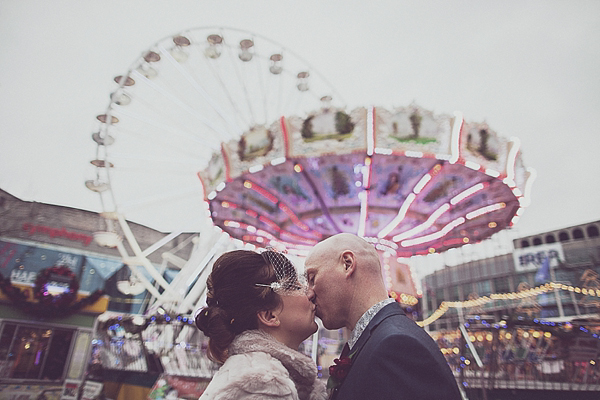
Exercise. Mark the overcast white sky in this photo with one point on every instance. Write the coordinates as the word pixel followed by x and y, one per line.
pixel 530 69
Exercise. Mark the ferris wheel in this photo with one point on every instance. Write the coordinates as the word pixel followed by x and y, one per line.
pixel 168 117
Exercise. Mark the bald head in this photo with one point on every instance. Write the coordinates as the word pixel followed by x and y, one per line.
pixel 345 279
pixel 335 246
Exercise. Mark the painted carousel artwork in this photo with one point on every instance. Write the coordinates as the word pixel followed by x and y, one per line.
pixel 407 180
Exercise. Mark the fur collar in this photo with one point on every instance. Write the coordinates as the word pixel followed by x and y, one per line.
pixel 301 368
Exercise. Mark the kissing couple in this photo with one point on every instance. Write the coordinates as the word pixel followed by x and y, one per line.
pixel 260 309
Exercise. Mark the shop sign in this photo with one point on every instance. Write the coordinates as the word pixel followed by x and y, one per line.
pixel 23 277
pixel 532 258
pixel 58 233
pixel 23 262
pixel 71 390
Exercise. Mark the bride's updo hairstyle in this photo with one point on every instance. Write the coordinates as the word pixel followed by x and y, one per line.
pixel 237 290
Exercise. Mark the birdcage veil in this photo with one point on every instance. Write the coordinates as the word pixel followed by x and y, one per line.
pixel 288 280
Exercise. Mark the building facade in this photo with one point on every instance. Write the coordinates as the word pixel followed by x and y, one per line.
pixel 42 348
pixel 573 258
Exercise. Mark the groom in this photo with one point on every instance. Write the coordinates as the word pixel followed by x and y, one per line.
pixel 390 357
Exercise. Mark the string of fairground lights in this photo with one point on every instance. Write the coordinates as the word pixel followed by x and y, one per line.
pixel 445 305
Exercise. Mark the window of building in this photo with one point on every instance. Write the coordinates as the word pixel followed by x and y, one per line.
pixel 550 239
pixel 33 352
pixel 454 293
pixel 454 276
pixel 467 290
pixel 563 236
pixel 501 285
pixel 577 234
pixel 592 231
pixel 484 288
pixel 524 243
pixel 439 297
pixel 430 304
pixel 526 278
pixel 537 241
pixel 485 266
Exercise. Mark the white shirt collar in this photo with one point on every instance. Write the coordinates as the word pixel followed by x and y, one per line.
pixel 365 319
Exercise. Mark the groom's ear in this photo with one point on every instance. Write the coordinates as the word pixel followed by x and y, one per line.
pixel 349 261
pixel 268 318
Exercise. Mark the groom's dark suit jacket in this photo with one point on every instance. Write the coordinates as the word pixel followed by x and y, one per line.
pixel 393 359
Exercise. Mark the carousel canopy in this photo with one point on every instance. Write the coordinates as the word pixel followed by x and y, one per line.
pixel 408 180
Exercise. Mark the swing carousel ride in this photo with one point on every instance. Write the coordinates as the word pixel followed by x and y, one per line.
pixel 230 135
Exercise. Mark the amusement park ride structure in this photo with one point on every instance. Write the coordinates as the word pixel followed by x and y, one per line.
pixel 230 135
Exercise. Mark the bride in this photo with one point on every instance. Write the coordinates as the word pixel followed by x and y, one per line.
pixel 257 316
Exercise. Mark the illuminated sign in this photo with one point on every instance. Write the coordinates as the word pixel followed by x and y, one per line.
pixel 59 233
pixel 531 258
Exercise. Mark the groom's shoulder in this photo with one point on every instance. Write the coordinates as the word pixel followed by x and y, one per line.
pixel 394 322
pixel 392 315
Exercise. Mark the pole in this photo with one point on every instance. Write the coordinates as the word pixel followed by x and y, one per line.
pixel 561 313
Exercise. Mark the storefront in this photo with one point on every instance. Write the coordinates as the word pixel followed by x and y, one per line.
pixel 49 302
pixel 55 281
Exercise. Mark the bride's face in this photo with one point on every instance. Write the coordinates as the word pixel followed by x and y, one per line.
pixel 297 317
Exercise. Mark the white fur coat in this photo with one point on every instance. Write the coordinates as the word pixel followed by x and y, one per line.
pixel 260 367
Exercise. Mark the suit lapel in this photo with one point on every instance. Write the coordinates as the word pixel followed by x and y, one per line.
pixel 384 313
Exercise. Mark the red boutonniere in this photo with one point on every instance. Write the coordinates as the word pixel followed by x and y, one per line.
pixel 339 371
